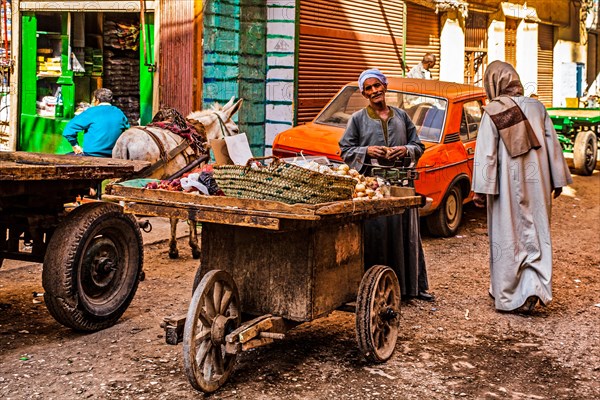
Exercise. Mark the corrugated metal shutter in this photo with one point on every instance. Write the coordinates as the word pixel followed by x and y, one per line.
pixel 338 40
pixel 475 47
pixel 176 54
pixel 545 63
pixel 593 59
pixel 422 36
pixel 510 41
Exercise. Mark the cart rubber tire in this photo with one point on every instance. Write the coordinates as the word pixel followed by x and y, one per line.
pixel 92 266
pixel 214 312
pixel 444 222
pixel 378 313
pixel 585 152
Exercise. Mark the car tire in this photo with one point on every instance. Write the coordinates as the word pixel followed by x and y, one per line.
pixel 444 222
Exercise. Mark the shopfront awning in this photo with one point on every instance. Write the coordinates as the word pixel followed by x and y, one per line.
pixel 83 6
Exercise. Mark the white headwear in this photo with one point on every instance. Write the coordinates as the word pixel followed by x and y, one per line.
pixel 371 73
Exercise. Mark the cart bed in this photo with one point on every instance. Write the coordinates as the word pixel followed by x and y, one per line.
pixel 299 261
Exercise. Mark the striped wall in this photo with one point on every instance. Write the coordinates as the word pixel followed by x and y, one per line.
pixel 249 52
pixel 252 72
pixel 221 55
pixel 281 44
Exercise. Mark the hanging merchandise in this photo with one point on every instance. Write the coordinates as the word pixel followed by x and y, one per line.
pixel 122 64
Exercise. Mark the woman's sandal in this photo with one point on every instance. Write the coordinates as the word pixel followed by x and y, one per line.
pixel 528 306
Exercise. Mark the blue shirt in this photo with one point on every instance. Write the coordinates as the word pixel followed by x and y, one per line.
pixel 102 125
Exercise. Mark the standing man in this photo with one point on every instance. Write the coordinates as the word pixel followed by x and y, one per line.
pixel 518 166
pixel 421 70
pixel 386 134
pixel 102 125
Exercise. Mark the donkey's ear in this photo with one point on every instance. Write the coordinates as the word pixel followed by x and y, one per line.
pixel 233 109
pixel 228 104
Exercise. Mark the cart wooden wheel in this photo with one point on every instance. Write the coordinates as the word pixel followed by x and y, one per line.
pixel 214 312
pixel 378 313
pixel 92 266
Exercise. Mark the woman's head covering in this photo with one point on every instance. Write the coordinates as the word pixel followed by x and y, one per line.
pixel 371 73
pixel 502 82
pixel 501 79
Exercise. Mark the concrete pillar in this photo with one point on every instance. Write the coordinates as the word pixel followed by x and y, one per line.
pixel 496 40
pixel 566 53
pixel 452 47
pixel 527 55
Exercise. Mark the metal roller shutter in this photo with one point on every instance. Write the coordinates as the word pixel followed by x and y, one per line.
pixel 545 63
pixel 593 61
pixel 338 40
pixel 475 47
pixel 510 41
pixel 176 55
pixel 422 36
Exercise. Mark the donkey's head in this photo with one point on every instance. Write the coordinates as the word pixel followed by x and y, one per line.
pixel 217 120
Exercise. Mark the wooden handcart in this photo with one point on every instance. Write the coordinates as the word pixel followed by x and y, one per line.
pixel 280 264
pixel 92 255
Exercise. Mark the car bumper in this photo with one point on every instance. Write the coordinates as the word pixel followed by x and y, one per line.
pixel 426 208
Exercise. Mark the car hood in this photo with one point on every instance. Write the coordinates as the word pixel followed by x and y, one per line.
pixel 318 139
pixel 312 138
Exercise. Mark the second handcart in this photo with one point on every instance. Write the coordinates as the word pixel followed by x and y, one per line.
pixel 267 266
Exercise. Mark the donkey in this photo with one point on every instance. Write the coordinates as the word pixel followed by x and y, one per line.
pixel 174 152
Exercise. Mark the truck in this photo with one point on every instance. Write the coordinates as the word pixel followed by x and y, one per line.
pixel 578 132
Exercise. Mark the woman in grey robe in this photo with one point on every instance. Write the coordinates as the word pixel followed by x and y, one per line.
pixel 518 165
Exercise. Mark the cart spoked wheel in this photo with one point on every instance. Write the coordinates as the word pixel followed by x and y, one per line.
pixel 214 312
pixel 92 266
pixel 378 313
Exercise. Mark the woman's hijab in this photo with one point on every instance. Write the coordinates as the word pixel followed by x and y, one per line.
pixel 502 82
pixel 501 79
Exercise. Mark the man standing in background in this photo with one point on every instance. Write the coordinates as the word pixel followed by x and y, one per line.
pixel 421 70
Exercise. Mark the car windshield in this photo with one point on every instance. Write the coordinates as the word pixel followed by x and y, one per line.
pixel 427 113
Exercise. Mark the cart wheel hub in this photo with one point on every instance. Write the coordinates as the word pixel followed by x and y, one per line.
pixel 221 327
pixel 101 260
pixel 388 314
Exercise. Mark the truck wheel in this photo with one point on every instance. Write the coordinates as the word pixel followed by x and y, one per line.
pixel 444 222
pixel 585 152
pixel 92 267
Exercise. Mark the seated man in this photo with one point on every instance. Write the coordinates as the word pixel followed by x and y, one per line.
pixel 102 125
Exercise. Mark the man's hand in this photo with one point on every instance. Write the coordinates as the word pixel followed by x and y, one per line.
pixel 77 149
pixel 479 200
pixel 396 152
pixel 557 192
pixel 377 151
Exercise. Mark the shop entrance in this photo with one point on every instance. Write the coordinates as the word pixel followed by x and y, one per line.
pixel 65 56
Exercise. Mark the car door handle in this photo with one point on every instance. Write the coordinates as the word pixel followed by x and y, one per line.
pixel 470 150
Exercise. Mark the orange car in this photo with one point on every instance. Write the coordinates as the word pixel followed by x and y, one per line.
pixel 447 117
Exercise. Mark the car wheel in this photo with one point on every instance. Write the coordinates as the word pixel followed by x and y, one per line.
pixel 444 222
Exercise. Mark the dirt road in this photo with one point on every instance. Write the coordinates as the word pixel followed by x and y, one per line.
pixel 457 347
